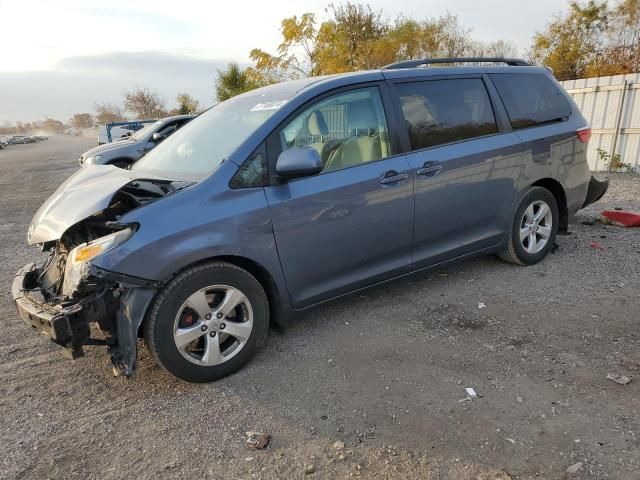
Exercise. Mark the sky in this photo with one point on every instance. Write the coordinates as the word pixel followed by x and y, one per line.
pixel 59 57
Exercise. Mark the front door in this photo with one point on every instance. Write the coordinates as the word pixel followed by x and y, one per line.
pixel 350 225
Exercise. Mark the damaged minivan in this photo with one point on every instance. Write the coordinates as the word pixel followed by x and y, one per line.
pixel 294 194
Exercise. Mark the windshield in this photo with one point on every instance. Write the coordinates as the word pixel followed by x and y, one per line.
pixel 143 132
pixel 199 147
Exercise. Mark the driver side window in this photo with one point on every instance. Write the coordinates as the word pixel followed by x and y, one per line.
pixel 346 129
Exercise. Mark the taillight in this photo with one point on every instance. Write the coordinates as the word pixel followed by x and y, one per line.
pixel 584 134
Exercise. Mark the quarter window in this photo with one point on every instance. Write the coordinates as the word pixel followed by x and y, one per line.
pixel 531 99
pixel 444 111
pixel 253 172
pixel 346 129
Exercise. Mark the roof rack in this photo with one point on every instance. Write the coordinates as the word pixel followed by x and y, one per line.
pixel 512 62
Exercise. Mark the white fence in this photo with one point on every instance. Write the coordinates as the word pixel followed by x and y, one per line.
pixel 611 105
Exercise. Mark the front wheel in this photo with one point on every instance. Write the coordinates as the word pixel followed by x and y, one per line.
pixel 207 322
pixel 534 228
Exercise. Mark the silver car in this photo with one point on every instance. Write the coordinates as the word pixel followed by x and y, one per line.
pixel 127 151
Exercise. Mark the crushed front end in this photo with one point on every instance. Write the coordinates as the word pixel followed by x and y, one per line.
pixel 62 297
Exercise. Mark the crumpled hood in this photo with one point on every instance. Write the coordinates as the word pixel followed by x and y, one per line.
pixel 101 149
pixel 85 193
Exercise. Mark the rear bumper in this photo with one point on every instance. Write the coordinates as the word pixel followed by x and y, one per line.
pixel 597 188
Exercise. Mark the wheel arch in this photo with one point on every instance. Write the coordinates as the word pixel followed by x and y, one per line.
pixel 560 195
pixel 278 311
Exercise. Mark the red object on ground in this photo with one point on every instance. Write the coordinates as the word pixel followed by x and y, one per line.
pixel 624 219
pixel 597 246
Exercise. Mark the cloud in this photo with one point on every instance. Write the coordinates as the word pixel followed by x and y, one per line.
pixel 76 83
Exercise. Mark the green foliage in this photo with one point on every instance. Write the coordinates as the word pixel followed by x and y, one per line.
pixel 233 81
pixel 355 37
pixel 614 161
pixel 187 104
pixel 591 39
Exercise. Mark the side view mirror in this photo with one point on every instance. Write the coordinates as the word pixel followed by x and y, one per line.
pixel 298 162
pixel 156 137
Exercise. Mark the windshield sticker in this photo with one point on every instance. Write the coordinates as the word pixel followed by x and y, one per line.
pixel 268 106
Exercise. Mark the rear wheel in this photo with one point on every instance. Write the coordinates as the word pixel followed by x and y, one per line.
pixel 208 322
pixel 534 228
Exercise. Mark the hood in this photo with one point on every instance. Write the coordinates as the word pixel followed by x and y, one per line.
pixel 85 193
pixel 107 147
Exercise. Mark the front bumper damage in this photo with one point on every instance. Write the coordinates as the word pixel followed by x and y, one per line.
pixel 117 305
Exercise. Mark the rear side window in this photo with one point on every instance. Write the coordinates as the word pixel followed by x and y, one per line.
pixel 531 99
pixel 444 111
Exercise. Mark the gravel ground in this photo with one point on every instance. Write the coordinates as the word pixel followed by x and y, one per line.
pixel 383 372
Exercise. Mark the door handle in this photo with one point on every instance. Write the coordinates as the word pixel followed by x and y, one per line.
pixel 429 170
pixel 393 177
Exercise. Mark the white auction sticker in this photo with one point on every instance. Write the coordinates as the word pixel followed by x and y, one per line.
pixel 268 105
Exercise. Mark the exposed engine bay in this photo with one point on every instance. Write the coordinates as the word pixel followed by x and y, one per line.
pixel 66 293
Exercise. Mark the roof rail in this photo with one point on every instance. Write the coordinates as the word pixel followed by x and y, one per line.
pixel 512 62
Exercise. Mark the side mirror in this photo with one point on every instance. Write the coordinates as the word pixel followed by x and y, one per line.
pixel 298 162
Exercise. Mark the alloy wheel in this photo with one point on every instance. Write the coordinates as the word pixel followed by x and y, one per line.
pixel 213 325
pixel 536 226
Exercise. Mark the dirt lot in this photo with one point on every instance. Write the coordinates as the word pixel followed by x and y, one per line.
pixel 383 372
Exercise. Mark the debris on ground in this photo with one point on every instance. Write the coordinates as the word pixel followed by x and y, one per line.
pixel 338 445
pixel 574 468
pixel 620 379
pixel 309 470
pixel 257 440
pixel 620 218
pixel 481 305
pixel 596 245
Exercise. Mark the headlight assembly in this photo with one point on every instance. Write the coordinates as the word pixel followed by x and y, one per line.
pixel 77 262
pixel 93 159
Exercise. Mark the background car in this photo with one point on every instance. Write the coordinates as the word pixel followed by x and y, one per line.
pixel 127 151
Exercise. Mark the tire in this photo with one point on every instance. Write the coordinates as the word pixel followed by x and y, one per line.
pixel 530 241
pixel 237 332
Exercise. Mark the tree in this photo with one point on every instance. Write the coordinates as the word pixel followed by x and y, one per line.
pixel 296 52
pixel 82 120
pixel 53 126
pixel 622 52
pixel 187 104
pixel 145 103
pixel 108 112
pixel 354 38
pixel 233 81
pixel 572 41
pixel 498 49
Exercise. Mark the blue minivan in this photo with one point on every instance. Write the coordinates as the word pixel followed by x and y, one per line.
pixel 291 195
